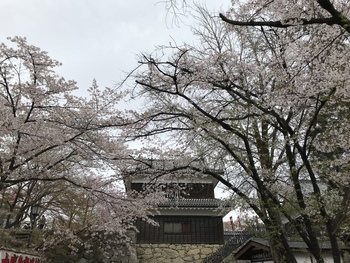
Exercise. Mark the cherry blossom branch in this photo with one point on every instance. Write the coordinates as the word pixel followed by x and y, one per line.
pixel 278 23
pixel 337 18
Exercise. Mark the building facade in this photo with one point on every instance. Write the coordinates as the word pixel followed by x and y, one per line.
pixel 189 220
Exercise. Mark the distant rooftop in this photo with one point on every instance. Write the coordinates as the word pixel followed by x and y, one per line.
pixel 158 171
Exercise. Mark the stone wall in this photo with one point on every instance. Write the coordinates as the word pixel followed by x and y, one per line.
pixel 174 253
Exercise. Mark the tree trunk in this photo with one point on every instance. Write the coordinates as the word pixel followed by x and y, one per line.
pixel 280 249
pixel 279 246
pixel 334 242
pixel 315 252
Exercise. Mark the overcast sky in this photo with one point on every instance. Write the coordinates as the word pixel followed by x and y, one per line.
pixel 95 38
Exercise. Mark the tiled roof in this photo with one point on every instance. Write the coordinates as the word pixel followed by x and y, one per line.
pixel 202 203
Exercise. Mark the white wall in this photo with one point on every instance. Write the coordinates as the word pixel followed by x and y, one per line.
pixel 305 258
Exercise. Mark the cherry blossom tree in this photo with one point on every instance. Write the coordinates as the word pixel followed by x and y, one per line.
pixel 99 221
pixel 268 103
pixel 43 124
pixel 51 142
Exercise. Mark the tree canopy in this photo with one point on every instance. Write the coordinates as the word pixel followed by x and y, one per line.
pixel 269 103
pixel 61 151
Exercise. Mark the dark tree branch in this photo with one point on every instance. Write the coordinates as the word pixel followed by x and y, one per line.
pixel 289 23
pixel 337 18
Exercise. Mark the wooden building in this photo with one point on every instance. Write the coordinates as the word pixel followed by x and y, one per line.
pixel 257 250
pixel 190 215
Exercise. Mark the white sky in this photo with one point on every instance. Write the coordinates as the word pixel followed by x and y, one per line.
pixel 95 38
